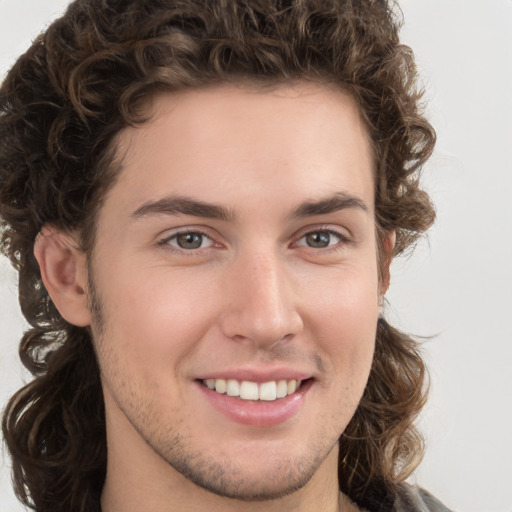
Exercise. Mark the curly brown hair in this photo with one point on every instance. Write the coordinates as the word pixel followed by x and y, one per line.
pixel 62 104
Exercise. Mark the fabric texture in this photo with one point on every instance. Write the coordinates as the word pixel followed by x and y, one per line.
pixel 414 499
pixel 402 498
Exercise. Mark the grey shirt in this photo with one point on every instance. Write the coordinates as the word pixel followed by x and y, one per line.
pixel 403 498
pixel 414 499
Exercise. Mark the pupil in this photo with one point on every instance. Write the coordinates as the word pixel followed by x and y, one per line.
pixel 319 239
pixel 190 240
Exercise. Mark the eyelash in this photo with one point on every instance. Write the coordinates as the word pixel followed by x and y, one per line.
pixel 167 245
pixel 342 241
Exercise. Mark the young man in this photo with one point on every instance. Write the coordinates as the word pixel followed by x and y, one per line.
pixel 203 199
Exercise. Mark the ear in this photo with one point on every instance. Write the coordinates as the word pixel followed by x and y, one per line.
pixel 386 257
pixel 64 273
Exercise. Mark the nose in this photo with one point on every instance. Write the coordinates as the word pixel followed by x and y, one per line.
pixel 262 307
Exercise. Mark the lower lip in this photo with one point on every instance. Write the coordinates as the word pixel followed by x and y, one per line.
pixel 258 413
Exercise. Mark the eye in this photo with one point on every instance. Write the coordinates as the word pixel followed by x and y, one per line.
pixel 320 239
pixel 189 240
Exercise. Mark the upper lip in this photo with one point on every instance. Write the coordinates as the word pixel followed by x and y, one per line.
pixel 257 374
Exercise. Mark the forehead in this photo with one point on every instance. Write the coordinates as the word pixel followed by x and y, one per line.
pixel 230 141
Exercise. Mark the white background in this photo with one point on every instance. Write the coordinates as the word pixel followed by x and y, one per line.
pixel 457 286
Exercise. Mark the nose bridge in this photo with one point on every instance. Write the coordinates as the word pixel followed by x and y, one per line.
pixel 263 305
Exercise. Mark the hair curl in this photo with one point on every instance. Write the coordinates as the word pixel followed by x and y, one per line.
pixel 62 104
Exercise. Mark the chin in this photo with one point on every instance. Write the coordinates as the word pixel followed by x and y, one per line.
pixel 257 485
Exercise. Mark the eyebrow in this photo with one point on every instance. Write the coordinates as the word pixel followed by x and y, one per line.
pixel 176 205
pixel 335 203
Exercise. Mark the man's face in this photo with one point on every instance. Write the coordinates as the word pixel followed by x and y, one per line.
pixel 237 250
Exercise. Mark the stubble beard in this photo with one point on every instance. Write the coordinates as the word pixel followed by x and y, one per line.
pixel 230 479
pixel 219 473
pixel 216 474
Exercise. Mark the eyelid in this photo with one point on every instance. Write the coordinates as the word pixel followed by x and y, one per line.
pixel 301 242
pixel 171 234
pixel 344 234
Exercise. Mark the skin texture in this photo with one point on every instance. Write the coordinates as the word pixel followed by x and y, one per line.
pixel 255 297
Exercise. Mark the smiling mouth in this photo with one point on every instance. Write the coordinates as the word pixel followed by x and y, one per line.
pixel 248 390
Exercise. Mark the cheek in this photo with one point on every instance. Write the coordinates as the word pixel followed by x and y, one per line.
pixel 345 321
pixel 156 318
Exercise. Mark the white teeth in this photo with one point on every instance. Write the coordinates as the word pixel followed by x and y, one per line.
pixel 232 388
pixel 268 391
pixel 281 389
pixel 220 385
pixel 248 390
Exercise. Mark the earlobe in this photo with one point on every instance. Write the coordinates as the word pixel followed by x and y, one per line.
pixel 64 274
pixel 388 247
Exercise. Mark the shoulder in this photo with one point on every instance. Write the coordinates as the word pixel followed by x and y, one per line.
pixel 400 498
pixel 415 499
